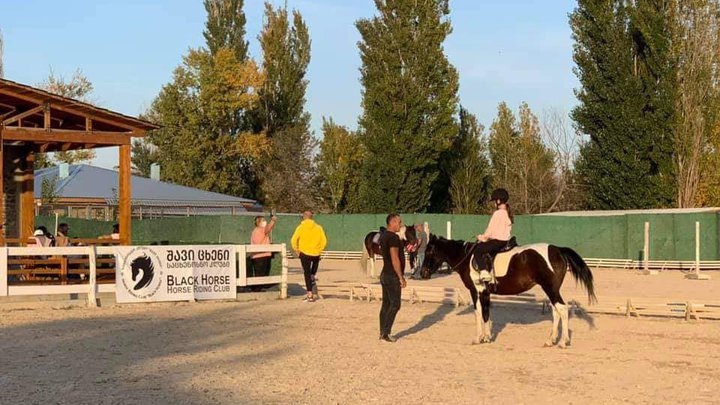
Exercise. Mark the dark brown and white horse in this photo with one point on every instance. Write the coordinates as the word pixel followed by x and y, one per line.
pixel 540 264
pixel 370 248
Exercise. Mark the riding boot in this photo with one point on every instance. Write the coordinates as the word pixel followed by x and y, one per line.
pixel 485 275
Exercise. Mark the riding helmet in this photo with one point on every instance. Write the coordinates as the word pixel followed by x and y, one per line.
pixel 500 194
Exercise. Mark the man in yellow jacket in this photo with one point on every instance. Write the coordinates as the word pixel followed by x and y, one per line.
pixel 308 242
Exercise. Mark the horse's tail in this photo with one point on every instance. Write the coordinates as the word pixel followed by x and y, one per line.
pixel 580 271
pixel 365 257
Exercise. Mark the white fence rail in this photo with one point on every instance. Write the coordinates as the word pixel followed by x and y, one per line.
pixel 592 262
pixel 92 288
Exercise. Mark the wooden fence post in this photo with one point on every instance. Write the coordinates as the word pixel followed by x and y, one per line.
pixel 3 271
pixel 92 293
pixel 284 277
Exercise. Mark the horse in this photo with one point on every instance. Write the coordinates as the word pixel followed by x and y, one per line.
pixel 538 264
pixel 370 249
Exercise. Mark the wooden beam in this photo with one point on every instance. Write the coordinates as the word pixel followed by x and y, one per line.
pixel 88 124
pixel 46 116
pixel 124 208
pixel 45 147
pixel 77 111
pixel 62 136
pixel 27 113
pixel 66 147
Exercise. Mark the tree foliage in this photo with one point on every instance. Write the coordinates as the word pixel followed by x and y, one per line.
pixel 288 171
pixel 409 103
pixel 626 103
pixel 202 141
pixel 470 175
pixel 225 27
pixel 338 165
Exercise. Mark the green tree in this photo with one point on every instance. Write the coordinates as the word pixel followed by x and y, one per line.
pixel 521 162
pixel 143 156
pixel 225 27
pixel 409 103
pixel 78 87
pixel 338 164
pixel 202 141
pixel 288 171
pixel 470 178
pixel 621 53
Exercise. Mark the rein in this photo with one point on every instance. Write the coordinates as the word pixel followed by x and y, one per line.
pixel 467 256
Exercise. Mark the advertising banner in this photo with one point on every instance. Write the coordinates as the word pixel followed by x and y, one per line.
pixel 174 273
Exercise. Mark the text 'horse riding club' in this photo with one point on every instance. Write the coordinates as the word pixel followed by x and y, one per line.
pixel 371 246
pixel 517 271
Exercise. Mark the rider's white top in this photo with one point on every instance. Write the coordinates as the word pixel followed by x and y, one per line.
pixel 500 226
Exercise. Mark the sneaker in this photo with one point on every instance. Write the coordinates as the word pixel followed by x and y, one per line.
pixel 309 299
pixel 388 338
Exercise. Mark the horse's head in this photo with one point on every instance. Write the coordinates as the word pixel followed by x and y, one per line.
pixel 145 264
pixel 434 257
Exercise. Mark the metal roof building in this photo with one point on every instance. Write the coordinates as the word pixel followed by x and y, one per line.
pixel 85 191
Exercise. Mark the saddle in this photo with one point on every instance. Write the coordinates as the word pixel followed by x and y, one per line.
pixel 486 261
pixel 376 238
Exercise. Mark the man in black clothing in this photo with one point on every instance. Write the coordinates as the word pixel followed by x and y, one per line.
pixel 391 277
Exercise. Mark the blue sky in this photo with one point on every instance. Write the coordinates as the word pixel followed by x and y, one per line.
pixel 513 51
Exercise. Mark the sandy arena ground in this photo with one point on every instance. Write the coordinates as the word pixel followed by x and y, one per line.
pixel 327 352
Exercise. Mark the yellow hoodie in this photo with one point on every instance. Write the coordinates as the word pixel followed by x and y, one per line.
pixel 309 238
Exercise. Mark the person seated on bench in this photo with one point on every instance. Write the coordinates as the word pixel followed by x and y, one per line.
pixel 496 236
pixel 42 237
pixel 115 235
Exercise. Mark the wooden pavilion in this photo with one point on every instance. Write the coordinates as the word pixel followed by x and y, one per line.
pixel 34 121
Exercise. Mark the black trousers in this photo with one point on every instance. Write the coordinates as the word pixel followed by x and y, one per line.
pixel 482 249
pixel 261 266
pixel 310 267
pixel 391 292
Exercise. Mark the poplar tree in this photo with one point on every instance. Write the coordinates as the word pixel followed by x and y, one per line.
pixel 288 173
pixel 409 102
pixel 225 27
pixel 623 62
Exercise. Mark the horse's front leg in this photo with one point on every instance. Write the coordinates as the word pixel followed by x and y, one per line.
pixel 487 324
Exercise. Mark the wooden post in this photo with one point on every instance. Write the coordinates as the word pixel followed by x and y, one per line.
pixel 27 199
pixel 449 230
pixel 2 192
pixel 3 271
pixel 646 252
pixel 124 214
pixel 92 294
pixel 284 277
pixel 697 275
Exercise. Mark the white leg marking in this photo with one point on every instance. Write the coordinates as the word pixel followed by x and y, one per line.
pixel 478 321
pixel 565 336
pixel 554 331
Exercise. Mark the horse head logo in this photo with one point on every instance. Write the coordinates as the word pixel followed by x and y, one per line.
pixel 142 263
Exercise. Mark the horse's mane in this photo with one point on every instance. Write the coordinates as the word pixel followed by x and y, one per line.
pixel 458 246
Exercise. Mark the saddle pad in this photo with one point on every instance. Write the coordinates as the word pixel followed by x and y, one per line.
pixel 502 260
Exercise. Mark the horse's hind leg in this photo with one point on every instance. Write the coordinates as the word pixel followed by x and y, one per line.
pixel 555 324
pixel 562 309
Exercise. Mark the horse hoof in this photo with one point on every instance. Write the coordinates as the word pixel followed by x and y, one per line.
pixel 475 342
pixel 562 346
pixel 548 344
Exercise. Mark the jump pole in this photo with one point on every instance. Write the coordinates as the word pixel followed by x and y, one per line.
pixel 449 230
pixel 697 275
pixel 646 253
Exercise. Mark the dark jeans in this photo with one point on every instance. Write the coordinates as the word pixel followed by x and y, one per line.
pixel 412 256
pixel 483 249
pixel 391 293
pixel 310 267
pixel 261 266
